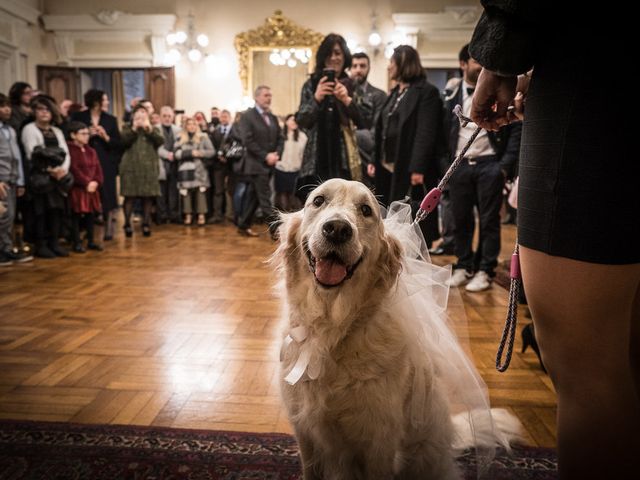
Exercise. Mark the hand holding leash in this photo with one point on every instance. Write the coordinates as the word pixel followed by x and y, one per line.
pixel 430 202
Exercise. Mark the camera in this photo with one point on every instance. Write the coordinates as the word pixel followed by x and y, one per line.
pixel 330 74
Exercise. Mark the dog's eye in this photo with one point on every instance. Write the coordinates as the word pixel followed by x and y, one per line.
pixel 366 210
pixel 318 201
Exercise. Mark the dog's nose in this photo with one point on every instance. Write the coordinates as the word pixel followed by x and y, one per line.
pixel 337 231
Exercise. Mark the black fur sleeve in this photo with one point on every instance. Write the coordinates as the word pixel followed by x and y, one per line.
pixel 504 40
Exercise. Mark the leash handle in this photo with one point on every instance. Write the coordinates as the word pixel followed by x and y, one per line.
pixel 509 331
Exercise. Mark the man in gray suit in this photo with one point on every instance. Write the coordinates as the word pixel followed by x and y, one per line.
pixel 168 208
pixel 263 145
pixel 359 71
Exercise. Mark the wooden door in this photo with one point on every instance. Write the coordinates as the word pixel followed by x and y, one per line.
pixel 60 82
pixel 160 86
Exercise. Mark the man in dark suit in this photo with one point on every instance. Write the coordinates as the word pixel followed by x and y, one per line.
pixel 478 182
pixel 219 171
pixel 263 142
pixel 359 72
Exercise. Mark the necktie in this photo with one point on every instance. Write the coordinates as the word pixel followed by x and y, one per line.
pixel 470 91
pixel 267 120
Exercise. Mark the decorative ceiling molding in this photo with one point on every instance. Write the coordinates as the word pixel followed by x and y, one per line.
pixel 108 17
pixel 21 11
pixel 113 21
pixel 452 24
pixel 109 27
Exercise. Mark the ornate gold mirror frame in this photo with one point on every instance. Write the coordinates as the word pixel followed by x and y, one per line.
pixel 276 32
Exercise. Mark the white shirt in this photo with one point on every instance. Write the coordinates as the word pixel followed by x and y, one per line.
pixel 481 146
pixel 291 160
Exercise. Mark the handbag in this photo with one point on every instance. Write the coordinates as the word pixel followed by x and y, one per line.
pixel 235 151
pixel 187 172
pixel 353 154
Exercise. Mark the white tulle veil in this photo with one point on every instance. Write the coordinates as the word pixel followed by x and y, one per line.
pixel 435 315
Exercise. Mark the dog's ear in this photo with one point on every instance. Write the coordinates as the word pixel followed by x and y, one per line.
pixel 390 260
pixel 289 226
pixel 288 229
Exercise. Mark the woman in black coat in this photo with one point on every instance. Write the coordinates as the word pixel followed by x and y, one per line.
pixel 105 140
pixel 328 111
pixel 408 136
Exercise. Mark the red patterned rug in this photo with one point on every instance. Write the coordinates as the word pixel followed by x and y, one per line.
pixel 62 451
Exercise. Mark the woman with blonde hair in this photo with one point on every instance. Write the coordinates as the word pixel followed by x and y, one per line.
pixel 193 150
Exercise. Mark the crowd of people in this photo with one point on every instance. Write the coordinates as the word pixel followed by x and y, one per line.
pixel 60 164
pixel 64 167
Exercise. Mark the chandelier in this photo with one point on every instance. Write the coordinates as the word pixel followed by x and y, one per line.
pixel 187 43
pixel 290 56
pixel 375 41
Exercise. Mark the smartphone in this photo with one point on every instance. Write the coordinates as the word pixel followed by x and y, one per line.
pixel 330 74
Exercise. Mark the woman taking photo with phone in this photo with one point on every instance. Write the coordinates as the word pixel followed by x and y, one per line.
pixel 139 168
pixel 329 109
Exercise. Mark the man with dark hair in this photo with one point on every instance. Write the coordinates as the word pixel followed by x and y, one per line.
pixel 478 182
pixel 215 120
pixel 12 183
pixel 359 72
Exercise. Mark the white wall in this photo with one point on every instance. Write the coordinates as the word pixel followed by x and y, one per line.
pixel 222 20
pixel 222 23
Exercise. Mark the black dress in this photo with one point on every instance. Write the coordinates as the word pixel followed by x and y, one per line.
pixel 579 168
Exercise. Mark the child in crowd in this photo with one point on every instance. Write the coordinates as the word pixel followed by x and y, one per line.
pixel 11 185
pixel 87 178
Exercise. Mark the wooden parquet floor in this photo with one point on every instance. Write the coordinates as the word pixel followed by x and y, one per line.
pixel 182 330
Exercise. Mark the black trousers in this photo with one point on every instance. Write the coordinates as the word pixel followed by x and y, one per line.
pixel 480 186
pixel 78 219
pixel 48 226
pixel 220 173
pixel 168 206
pixel 259 195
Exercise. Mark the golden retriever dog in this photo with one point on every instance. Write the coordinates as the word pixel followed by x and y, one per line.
pixel 347 374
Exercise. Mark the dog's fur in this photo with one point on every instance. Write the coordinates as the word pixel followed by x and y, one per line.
pixel 352 420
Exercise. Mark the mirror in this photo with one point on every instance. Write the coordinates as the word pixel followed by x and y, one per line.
pixel 255 48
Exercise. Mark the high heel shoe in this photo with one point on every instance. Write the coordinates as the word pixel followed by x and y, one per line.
pixel 529 339
pixel 146 230
pixel 128 231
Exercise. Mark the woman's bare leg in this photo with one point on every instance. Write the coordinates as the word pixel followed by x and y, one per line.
pixel 583 315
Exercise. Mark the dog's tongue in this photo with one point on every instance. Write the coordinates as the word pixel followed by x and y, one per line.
pixel 330 272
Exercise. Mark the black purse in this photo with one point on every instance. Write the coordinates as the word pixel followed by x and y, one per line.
pixel 186 173
pixel 235 151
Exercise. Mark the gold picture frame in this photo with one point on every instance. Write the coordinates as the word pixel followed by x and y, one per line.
pixel 277 31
